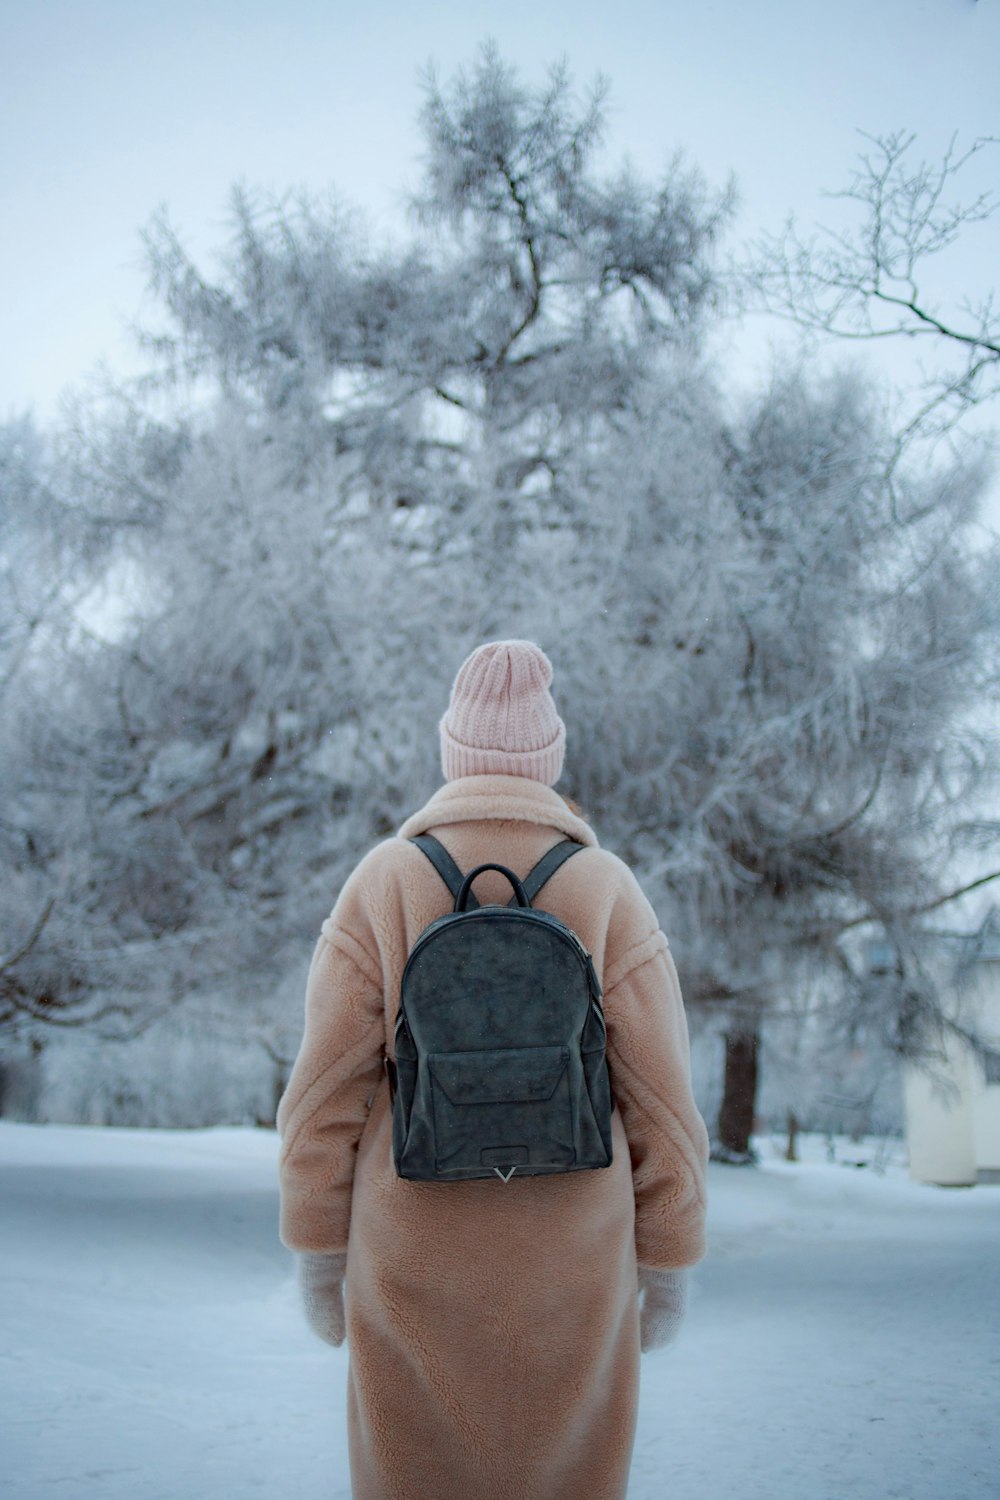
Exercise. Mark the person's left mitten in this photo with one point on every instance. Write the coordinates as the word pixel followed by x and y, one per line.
pixel 664 1303
pixel 321 1282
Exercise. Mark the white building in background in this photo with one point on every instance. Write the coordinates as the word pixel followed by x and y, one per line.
pixel 953 1118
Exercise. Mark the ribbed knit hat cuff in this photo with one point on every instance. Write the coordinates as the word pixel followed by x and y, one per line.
pixel 543 765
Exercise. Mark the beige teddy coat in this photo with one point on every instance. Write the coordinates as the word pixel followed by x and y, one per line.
pixel 493 1328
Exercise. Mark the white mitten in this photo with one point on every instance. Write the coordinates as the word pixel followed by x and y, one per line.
pixel 321 1282
pixel 664 1302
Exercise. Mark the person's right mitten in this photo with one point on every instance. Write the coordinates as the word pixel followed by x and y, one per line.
pixel 321 1278
pixel 662 1306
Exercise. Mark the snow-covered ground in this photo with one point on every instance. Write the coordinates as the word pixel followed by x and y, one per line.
pixel 844 1341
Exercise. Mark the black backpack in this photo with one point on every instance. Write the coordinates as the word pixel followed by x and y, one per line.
pixel 500 1061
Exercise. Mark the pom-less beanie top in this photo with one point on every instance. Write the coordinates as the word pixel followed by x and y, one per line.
pixel 501 718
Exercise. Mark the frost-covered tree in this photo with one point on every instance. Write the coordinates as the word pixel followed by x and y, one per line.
pixel 458 375
pixel 47 566
pixel 873 280
pixel 378 440
pixel 784 737
pixel 505 426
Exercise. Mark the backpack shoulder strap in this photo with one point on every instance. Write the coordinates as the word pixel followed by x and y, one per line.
pixel 547 866
pixel 444 864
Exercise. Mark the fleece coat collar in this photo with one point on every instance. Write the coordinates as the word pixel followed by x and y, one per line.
pixel 506 798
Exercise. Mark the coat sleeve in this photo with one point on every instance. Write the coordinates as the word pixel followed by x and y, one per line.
pixel 324 1107
pixel 649 1061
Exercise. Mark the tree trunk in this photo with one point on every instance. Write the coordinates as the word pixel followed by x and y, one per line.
pixel 739 1096
pixel 791 1150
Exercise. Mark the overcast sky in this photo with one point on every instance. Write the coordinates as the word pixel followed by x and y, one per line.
pixel 112 107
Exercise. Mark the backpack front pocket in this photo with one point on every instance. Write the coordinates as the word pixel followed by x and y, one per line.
pixel 501 1109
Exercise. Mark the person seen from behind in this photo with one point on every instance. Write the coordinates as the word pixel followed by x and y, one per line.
pixel 494 1328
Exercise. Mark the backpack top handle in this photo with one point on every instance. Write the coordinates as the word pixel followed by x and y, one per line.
pixel 532 882
pixel 519 892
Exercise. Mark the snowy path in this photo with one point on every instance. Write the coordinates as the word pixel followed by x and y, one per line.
pixel 844 1343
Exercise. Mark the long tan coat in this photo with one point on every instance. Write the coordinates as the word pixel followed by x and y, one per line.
pixel 493 1328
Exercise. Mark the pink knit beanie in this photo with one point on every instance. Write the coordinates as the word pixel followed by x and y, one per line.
pixel 501 718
